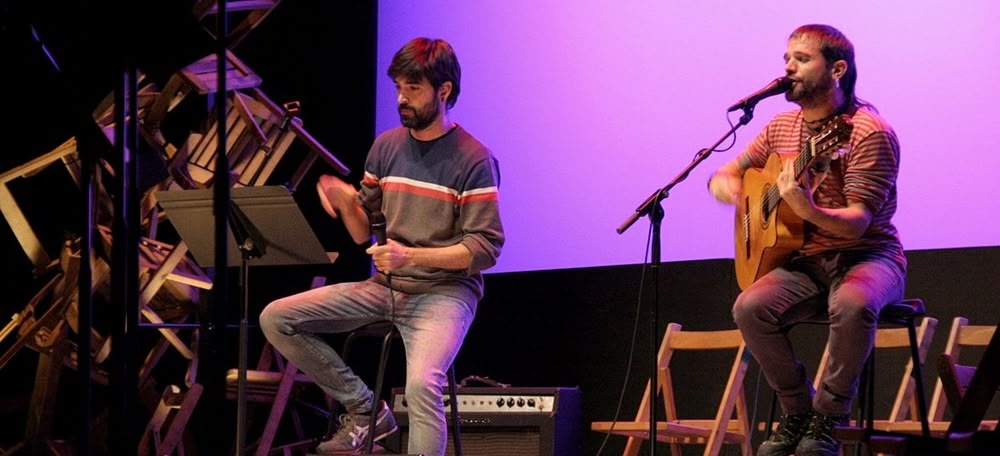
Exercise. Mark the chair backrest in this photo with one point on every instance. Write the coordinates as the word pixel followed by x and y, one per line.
pixel 904 406
pixel 16 218
pixel 958 369
pixel 731 421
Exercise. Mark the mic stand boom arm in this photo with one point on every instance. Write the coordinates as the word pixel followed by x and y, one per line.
pixel 651 207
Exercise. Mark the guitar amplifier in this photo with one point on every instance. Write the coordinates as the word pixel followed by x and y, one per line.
pixel 506 421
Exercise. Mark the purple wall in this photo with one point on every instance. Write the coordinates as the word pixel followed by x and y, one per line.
pixel 593 105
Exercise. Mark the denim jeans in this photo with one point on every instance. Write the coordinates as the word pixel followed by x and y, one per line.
pixel 432 327
pixel 850 289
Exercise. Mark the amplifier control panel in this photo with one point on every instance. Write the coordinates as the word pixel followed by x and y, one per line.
pixel 492 400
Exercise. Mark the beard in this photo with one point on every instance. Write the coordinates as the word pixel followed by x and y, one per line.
pixel 418 119
pixel 807 92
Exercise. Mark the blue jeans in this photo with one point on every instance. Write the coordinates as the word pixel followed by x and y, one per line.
pixel 851 289
pixel 432 327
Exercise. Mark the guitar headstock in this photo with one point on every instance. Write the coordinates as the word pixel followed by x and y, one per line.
pixel 835 133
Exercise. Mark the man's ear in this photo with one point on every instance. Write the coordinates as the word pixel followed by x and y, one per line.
pixel 444 91
pixel 839 69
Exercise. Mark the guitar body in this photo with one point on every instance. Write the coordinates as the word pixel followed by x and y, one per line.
pixel 764 238
pixel 767 230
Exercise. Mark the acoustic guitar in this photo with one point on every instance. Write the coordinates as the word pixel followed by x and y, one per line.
pixel 767 230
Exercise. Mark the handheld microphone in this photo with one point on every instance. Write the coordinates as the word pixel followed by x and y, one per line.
pixel 777 86
pixel 376 222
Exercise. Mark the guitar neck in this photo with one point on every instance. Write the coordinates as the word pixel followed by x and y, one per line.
pixel 805 158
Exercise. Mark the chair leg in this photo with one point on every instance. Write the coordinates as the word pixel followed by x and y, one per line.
pixel 455 421
pixel 866 402
pixel 869 409
pixel 377 402
pixel 918 378
pixel 770 415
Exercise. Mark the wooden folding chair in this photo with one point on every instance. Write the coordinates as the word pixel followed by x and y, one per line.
pixel 45 325
pixel 259 130
pixel 731 423
pixel 274 381
pixel 955 371
pixel 67 154
pixel 249 14
pixel 259 134
pixel 165 431
pixel 904 411
pixel 899 438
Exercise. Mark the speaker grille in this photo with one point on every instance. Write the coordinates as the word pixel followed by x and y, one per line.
pixel 484 443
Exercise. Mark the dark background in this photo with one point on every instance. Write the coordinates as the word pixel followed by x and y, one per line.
pixel 584 327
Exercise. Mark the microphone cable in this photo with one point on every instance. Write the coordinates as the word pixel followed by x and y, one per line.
pixel 632 345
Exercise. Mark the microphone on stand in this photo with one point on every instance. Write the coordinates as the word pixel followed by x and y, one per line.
pixel 777 86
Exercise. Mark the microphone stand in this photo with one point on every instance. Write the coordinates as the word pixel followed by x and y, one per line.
pixel 252 245
pixel 651 207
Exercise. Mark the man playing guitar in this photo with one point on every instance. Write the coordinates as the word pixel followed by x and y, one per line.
pixel 845 259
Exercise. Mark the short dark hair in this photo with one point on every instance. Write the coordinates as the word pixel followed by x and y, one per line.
pixel 835 46
pixel 433 59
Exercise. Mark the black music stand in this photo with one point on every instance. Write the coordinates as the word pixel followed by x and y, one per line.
pixel 265 226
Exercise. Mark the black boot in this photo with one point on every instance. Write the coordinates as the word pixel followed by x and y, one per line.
pixel 818 439
pixel 783 442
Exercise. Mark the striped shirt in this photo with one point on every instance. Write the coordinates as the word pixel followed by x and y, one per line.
pixel 864 172
pixel 437 194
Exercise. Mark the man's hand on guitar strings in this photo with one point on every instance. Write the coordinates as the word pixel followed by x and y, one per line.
pixel 795 193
